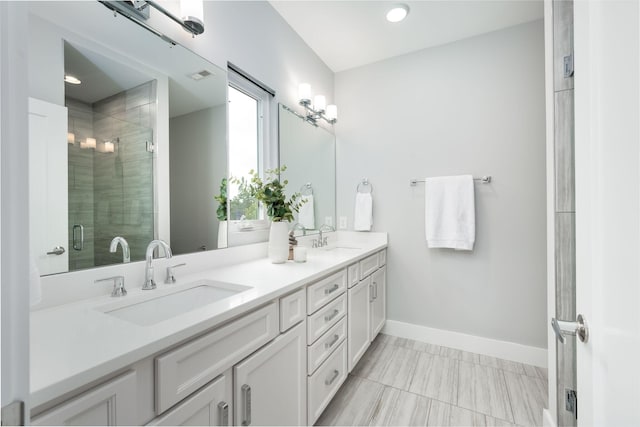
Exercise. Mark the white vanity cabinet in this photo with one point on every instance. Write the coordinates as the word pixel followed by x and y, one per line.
pixel 270 385
pixel 109 404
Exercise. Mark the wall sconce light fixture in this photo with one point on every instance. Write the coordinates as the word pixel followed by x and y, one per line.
pixel 88 143
pixel 319 108
pixel 192 12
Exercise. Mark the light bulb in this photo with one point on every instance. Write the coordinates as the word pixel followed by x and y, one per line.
pixel 332 112
pixel 304 93
pixel 319 103
pixel 192 13
pixel 71 138
pixel 109 147
pixel 89 143
pixel 398 13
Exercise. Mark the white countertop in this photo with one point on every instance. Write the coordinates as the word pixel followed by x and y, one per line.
pixel 74 344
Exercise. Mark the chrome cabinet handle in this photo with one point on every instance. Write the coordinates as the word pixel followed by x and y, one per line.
pixel 332 289
pixel 78 245
pixel 246 405
pixel 223 413
pixel 332 315
pixel 375 290
pixel 578 328
pixel 330 344
pixel 333 377
pixel 371 297
pixel 58 250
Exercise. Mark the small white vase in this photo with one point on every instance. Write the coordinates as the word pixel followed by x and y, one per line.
pixel 278 242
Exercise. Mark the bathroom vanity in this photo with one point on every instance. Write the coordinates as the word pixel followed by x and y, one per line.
pixel 272 347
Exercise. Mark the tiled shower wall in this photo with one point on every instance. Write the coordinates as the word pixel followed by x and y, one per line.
pixel 565 201
pixel 123 186
pixel 111 194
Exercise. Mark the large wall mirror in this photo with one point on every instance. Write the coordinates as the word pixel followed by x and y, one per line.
pixel 139 149
pixel 135 147
pixel 309 153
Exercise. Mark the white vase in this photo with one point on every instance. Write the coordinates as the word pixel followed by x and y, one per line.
pixel 222 234
pixel 278 242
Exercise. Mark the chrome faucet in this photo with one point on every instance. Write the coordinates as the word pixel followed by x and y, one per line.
pixel 126 254
pixel 149 283
pixel 322 241
pixel 297 225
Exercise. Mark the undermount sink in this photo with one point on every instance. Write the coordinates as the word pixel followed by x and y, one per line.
pixel 333 248
pixel 196 295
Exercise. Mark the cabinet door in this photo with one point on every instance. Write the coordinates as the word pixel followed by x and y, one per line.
pixel 112 403
pixel 270 386
pixel 359 321
pixel 211 406
pixel 378 301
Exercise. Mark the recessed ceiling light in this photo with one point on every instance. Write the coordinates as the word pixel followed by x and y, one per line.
pixel 398 13
pixel 71 79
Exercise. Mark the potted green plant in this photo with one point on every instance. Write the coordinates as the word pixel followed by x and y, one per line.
pixel 270 190
pixel 221 213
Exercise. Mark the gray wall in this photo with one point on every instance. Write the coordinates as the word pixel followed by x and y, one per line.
pixel 474 106
pixel 198 162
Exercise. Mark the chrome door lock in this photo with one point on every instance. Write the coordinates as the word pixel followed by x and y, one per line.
pixel 578 328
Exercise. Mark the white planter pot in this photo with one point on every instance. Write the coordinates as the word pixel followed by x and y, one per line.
pixel 278 242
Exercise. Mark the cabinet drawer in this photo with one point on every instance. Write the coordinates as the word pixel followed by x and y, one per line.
pixel 368 265
pixel 292 309
pixel 352 275
pixel 324 384
pixel 325 290
pixel 382 257
pixel 112 403
pixel 182 371
pixel 322 348
pixel 211 406
pixel 324 319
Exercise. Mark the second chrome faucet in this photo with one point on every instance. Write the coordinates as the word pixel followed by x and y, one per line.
pixel 149 282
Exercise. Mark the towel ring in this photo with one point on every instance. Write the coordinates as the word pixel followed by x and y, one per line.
pixel 364 183
pixel 306 189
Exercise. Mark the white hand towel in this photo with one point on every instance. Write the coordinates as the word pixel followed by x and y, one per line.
pixel 363 217
pixel 450 212
pixel 306 215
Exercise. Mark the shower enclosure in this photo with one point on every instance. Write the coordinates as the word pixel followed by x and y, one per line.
pixel 110 181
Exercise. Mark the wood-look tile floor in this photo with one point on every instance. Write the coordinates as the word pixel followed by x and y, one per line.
pixel 400 382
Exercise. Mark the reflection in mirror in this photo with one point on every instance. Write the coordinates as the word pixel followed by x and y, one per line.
pixel 140 154
pixel 111 115
pixel 309 154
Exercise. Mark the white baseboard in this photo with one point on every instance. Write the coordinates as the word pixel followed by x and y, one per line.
pixel 547 419
pixel 501 349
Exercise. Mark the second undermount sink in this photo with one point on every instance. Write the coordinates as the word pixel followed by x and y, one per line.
pixel 338 247
pixel 151 311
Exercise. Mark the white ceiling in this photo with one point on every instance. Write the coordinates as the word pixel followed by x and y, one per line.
pixel 349 34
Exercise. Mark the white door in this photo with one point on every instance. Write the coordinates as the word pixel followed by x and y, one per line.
pixel 270 386
pixel 607 144
pixel 48 203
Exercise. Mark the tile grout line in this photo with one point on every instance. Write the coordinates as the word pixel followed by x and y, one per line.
pixel 513 414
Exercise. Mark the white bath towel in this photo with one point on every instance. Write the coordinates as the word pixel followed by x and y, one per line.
pixel 306 216
pixel 450 212
pixel 363 216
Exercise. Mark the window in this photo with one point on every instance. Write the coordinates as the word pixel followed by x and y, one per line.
pixel 249 106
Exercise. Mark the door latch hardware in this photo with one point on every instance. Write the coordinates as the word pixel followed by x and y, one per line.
pixel 571 401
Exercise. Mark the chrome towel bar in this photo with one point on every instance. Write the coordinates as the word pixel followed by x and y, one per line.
pixel 484 180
